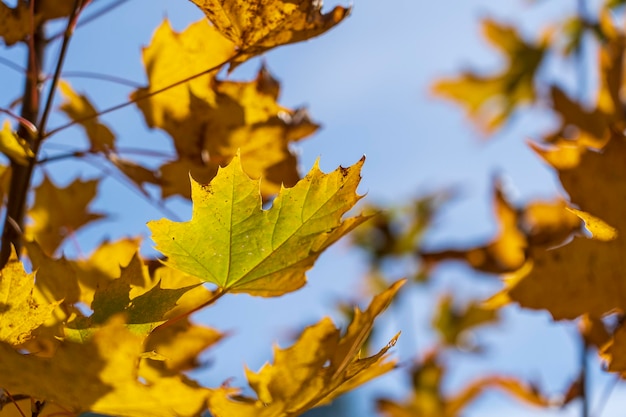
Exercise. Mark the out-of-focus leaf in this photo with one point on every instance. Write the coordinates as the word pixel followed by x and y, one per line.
pixel 78 107
pixel 13 146
pixel 490 100
pixel 60 212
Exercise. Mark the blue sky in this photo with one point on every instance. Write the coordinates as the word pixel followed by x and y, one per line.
pixel 367 83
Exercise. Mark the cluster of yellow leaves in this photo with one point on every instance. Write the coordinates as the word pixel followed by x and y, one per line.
pixel 569 258
pixel 111 333
pixel 234 244
pixel 132 346
pixel 319 367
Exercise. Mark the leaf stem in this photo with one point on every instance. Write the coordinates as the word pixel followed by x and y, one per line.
pixel 142 97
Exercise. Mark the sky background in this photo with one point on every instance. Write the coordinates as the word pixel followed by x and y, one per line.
pixel 367 82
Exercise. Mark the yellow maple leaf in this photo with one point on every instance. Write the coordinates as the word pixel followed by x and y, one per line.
pixel 16 22
pixel 540 224
pixel 172 57
pixel 586 272
pixel 78 107
pixel 101 376
pixel 20 312
pixel 318 367
pixel 59 212
pixel 180 344
pixel 210 120
pixel 13 146
pixel 233 243
pixel 256 26
pixel 490 100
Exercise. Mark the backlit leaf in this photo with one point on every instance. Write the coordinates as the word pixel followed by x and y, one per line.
pixel 60 212
pixel 99 375
pixel 317 368
pixel 233 243
pixel 490 100
pixel 77 107
pixel 256 26
pixel 20 312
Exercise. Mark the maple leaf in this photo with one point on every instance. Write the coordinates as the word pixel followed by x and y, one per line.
pixel 210 120
pixel 99 375
pixel 13 146
pixel 429 400
pixel 103 265
pixel 180 344
pixel 172 57
pixel 78 107
pixel 490 100
pixel 137 295
pixel 452 323
pixel 20 312
pixel 59 212
pixel 586 272
pixel 257 26
pixel 235 244
pixel 538 225
pixel 321 365
pixel 16 22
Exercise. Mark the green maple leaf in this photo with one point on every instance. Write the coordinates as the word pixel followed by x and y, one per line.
pixel 141 298
pixel 233 243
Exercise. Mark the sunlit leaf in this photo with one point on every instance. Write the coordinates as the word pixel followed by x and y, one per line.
pixel 233 243
pixel 59 212
pixel 20 312
pixel 491 99
pixel 257 26
pixel 99 375
pixel 321 365
pixel 78 107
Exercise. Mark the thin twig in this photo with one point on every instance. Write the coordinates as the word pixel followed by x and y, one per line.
pixel 10 64
pixel 142 97
pixel 604 398
pixel 584 370
pixel 69 30
pixel 133 187
pixel 91 17
pixel 102 77
pixel 27 124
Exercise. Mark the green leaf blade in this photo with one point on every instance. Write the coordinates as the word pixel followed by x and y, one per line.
pixel 235 244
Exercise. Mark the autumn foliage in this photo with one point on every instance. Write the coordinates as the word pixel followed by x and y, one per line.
pixel 112 332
